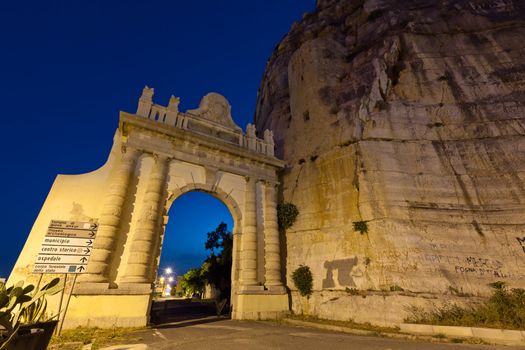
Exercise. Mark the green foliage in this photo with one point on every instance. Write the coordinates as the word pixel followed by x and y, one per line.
pixel 18 306
pixel 303 280
pixel 361 226
pixel 352 291
pixel 504 309
pixel 218 266
pixel 193 281
pixel 286 214
pixel 396 288
pixel 220 239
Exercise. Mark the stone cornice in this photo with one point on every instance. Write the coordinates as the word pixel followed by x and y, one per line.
pixel 129 122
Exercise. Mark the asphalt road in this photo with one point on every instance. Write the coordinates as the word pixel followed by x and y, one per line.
pixel 216 333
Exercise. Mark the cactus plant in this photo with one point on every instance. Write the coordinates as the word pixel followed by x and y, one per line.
pixel 18 306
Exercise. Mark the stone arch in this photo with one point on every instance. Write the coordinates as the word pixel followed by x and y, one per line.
pixel 235 212
pixel 218 193
pixel 205 151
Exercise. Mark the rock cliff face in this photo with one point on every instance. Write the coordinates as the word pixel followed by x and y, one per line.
pixel 406 118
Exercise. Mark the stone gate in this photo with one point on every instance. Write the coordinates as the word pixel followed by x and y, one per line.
pixel 158 154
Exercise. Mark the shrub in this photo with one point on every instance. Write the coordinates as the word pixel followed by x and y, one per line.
pixel 352 291
pixel 361 226
pixel 396 288
pixel 303 280
pixel 286 214
pixel 504 309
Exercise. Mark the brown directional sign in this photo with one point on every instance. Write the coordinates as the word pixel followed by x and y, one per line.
pixel 71 233
pixel 66 247
pixel 75 225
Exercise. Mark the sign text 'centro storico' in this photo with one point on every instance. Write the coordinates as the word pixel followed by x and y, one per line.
pixel 66 247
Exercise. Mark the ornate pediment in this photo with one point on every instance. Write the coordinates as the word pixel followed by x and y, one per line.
pixel 212 118
pixel 215 108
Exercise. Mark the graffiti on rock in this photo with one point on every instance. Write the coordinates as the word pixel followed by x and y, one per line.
pixel 481 271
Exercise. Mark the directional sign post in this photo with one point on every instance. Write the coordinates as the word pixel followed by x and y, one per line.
pixel 66 247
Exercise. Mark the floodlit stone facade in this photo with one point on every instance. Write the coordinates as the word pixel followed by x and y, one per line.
pixel 407 118
pixel 158 154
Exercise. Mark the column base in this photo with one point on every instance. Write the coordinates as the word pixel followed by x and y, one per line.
pixel 136 288
pixel 92 278
pixel 277 289
pixel 91 288
pixel 268 306
pixel 251 288
pixel 86 288
pixel 108 311
pixel 132 279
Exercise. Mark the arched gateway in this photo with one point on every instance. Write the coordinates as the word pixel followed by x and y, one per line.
pixel 159 154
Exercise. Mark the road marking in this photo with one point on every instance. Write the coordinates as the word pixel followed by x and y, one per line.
pixel 159 334
pixel 221 327
pixel 127 347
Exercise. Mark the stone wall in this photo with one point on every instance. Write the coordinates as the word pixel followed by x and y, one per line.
pixel 409 116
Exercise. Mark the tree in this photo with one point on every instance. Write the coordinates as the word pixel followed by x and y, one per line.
pixel 193 281
pixel 218 265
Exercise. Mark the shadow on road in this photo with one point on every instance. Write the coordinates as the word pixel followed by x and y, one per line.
pixel 176 313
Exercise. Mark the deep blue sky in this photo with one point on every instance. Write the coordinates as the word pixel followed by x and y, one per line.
pixel 68 67
pixel 186 232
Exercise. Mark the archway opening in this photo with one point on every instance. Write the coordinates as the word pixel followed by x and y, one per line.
pixel 195 264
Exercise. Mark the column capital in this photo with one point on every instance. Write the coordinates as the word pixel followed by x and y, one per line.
pixel 159 157
pixel 270 183
pixel 130 150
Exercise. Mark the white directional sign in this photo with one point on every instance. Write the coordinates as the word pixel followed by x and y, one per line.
pixel 66 247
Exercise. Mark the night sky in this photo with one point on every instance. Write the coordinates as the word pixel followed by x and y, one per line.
pixel 68 67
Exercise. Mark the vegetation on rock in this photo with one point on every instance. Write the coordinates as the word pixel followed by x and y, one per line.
pixel 303 280
pixel 361 226
pixel 286 214
pixel 505 309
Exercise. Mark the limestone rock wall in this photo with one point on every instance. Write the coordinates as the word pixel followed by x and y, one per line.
pixel 409 116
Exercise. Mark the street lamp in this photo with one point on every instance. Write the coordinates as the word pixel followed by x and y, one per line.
pixel 168 271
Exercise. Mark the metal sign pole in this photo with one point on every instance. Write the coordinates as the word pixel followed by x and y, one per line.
pixel 61 299
pixel 38 284
pixel 67 304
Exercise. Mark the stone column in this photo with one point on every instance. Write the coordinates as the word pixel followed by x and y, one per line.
pixel 98 266
pixel 272 249
pixel 145 237
pixel 248 273
pixel 235 261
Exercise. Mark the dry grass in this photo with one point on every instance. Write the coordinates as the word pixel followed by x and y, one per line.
pixel 97 336
pixel 504 310
pixel 349 324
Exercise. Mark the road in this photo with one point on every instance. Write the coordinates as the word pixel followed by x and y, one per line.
pixel 219 333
